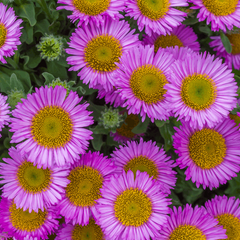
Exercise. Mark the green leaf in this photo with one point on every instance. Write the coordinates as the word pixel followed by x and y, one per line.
pixel 190 21
pixel 96 109
pixel 234 187
pixel 48 78
pixel 4 82
pixel 166 132
pixel 226 42
pixel 34 58
pixel 56 70
pixel 7 143
pixel 237 78
pixel 99 130
pixel 97 142
pixel 15 83
pixel 42 26
pixel 142 126
pixel 160 123
pixel 54 27
pixel 174 199
pixel 29 31
pixel 27 11
pixel 205 29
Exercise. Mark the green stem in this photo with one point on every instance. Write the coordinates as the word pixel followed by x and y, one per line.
pixel 43 4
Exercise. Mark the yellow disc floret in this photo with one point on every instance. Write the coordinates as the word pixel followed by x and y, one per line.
pixel 153 9
pixel 25 221
pixel 102 52
pixel 198 91
pixel 133 207
pixel 147 84
pixel 3 34
pixel 51 127
pixel 33 179
pixel 220 7
pixel 207 148
pixel 143 164
pixel 187 232
pixel 85 185
pixel 232 224
pixel 89 232
pixel 167 41
pixel 91 7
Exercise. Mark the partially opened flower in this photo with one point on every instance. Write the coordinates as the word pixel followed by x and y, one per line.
pixel 201 90
pixel 74 232
pixel 191 223
pixel 132 207
pixel 52 125
pixel 141 80
pixel 92 11
pixel 221 14
pixel 227 212
pixel 25 225
pixel 146 157
pixel 181 36
pixel 231 59
pixel 156 16
pixel 96 50
pixel 9 32
pixel 86 179
pixel 211 155
pixel 31 188
pixel 4 112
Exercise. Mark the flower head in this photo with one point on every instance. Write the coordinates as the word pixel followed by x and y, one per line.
pixel 211 155
pixel 4 112
pixel 31 188
pixel 58 82
pixel 51 47
pixel 14 97
pixel 227 212
pixel 191 223
pixel 92 11
pixel 86 179
pixel 141 80
pixel 221 14
pixel 156 16
pixel 201 90
pixel 9 32
pixel 146 157
pixel 132 207
pixel 22 224
pixel 52 126
pixel 96 49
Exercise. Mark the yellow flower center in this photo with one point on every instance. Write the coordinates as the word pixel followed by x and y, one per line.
pixel 187 232
pixel 235 42
pixel 51 127
pixel 25 221
pixel 102 52
pixel 147 84
pixel 167 41
pixel 91 7
pixel 232 224
pixel 3 34
pixel 207 148
pixel 153 9
pixel 85 185
pixel 126 129
pixel 143 164
pixel 220 7
pixel 133 207
pixel 89 232
pixel 33 179
pixel 236 119
pixel 198 91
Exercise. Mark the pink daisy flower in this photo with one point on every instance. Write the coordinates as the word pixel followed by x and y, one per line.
pixel 9 32
pixel 191 223
pixel 201 90
pixel 227 212
pixel 31 188
pixel 181 36
pixel 86 179
pixel 156 16
pixel 92 11
pixel 211 155
pixel 96 49
pixel 180 53
pixel 25 225
pixel 233 58
pixel 141 80
pixel 221 14
pixel 146 157
pixel 4 110
pixel 132 207
pixel 52 126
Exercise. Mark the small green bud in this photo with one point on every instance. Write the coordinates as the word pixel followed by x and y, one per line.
pixel 50 47
pixel 14 97
pixel 110 118
pixel 58 82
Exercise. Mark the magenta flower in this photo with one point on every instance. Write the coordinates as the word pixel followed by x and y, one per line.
pixel 52 126
pixel 4 111
pixel 211 155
